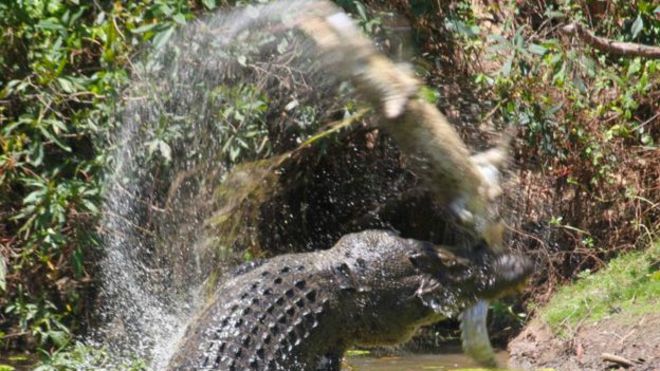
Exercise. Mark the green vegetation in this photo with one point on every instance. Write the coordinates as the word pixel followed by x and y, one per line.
pixel 62 67
pixel 630 284
pixel 586 125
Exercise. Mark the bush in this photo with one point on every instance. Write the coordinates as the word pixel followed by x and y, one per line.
pixel 588 129
pixel 62 67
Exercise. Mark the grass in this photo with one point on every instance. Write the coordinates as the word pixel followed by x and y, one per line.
pixel 630 284
pixel 76 356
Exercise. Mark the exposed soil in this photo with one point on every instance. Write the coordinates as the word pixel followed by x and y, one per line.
pixel 636 339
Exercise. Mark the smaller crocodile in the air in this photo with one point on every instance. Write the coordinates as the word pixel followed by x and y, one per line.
pixel 302 311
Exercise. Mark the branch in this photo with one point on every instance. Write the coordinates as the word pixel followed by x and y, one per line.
pixel 616 359
pixel 611 46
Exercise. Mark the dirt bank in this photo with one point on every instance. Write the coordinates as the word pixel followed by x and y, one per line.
pixel 633 338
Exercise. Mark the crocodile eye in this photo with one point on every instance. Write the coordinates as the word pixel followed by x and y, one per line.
pixel 428 260
pixel 418 260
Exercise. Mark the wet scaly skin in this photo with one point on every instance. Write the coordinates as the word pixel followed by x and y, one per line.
pixel 302 311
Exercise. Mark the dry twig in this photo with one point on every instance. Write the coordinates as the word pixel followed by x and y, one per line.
pixel 617 359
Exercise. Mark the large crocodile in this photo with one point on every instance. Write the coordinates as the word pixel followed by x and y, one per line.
pixel 302 311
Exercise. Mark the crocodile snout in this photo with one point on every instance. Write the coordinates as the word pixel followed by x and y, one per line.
pixel 509 273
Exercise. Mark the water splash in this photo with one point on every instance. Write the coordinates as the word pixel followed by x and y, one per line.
pixel 194 109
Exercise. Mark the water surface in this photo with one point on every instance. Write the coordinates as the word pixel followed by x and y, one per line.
pixel 414 362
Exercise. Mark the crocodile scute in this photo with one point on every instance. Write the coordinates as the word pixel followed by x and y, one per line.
pixel 302 311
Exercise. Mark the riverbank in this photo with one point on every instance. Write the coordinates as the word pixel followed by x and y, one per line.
pixel 606 320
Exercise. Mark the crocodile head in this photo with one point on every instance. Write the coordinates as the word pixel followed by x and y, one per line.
pixel 397 285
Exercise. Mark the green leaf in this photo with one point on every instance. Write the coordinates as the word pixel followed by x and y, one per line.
pixel 506 68
pixel 53 138
pixel 51 24
pixel 209 4
pixel 646 139
pixel 60 338
pixel 179 18
pixel 579 84
pixel 89 205
pixel 3 274
pixel 291 105
pixel 537 49
pixel 637 26
pixel 66 85
pixel 553 14
pixel 165 150
pixel 77 259
pixel 34 196
pixel 282 46
pixel 242 60
pixel 634 67
pixel 430 95
pixel 145 28
pixel 162 37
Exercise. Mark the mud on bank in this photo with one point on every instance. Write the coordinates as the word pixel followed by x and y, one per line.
pixel 634 339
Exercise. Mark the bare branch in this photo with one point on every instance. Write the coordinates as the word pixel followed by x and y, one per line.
pixel 611 46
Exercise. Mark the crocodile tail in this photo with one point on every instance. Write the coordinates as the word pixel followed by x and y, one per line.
pixel 474 334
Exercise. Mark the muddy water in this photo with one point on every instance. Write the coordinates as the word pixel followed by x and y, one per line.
pixel 453 360
pixel 414 362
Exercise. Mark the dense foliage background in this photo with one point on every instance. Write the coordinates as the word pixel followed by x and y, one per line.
pixel 587 126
